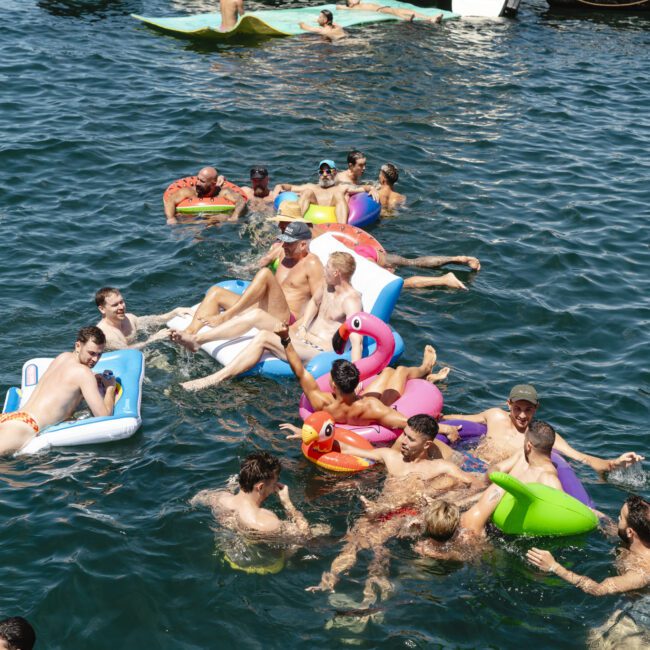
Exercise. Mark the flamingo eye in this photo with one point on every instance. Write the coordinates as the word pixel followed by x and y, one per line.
pixel 356 323
pixel 329 430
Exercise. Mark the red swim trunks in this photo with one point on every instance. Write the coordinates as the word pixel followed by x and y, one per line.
pixel 404 511
pixel 21 416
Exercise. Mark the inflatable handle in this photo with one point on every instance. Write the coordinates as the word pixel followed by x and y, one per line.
pixel 512 485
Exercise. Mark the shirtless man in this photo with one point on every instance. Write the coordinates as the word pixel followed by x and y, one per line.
pixel 231 10
pixel 402 14
pixel 121 328
pixel 260 197
pixel 356 167
pixel 531 465
pixel 388 197
pixel 373 405
pixel 258 479
pixel 325 192
pixel 504 430
pixel 326 27
pixel 283 296
pixel 328 308
pixel 208 185
pixel 68 379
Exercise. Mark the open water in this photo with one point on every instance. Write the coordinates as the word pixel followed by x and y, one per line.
pixel 523 142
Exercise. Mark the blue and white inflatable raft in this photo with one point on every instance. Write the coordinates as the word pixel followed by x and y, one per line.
pixel 128 368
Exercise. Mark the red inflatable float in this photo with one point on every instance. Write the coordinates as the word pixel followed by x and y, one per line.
pixel 207 204
pixel 355 238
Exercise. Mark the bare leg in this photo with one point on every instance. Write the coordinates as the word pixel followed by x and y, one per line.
pixel 390 384
pixel 377 577
pixel 216 299
pixel 341 208
pixel 14 435
pixel 448 280
pixel 432 261
pixel 244 361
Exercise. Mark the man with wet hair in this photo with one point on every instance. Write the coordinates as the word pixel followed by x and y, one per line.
pixel 68 380
pixel 121 328
pixel 258 479
pixel 505 428
pixel 356 167
pixel 634 531
pixel 402 14
pixel 209 183
pixel 326 26
pixel 16 633
pixel 388 197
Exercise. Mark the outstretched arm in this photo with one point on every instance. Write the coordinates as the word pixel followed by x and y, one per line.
pixel 143 322
pixel 626 582
pixel 601 465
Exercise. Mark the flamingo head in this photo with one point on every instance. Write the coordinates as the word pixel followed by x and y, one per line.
pixel 319 427
pixel 359 323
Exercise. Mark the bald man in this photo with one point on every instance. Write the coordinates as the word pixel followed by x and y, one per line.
pixel 209 183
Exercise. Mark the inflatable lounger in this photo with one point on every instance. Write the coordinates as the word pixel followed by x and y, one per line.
pixel 379 290
pixel 128 368
pixel 275 22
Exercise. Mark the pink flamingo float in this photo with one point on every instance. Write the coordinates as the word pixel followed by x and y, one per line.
pixel 420 396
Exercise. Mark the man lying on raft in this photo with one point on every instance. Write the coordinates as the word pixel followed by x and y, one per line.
pixel 326 28
pixel 504 430
pixel 120 328
pixel 402 14
pixel 208 185
pixel 334 301
pixel 282 296
pixel 259 478
pixel 373 405
pixel 67 381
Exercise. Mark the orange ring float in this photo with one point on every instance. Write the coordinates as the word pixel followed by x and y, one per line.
pixel 352 237
pixel 207 204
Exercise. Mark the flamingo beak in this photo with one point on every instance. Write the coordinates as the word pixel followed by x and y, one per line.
pixel 340 338
pixel 309 434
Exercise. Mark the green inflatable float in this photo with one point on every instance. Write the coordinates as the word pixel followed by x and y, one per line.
pixel 538 510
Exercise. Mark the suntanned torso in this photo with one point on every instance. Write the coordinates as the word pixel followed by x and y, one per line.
pixel 293 276
pixel 326 195
pixel 388 198
pixel 331 314
pixel 122 335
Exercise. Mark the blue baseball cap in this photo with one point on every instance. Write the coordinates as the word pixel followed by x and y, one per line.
pixel 330 163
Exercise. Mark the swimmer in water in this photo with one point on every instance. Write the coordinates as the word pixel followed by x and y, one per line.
pixel 633 563
pixel 209 183
pixel 121 328
pixel 505 428
pixel 260 197
pixel 326 27
pixel 259 478
pixel 402 14
pixel 68 380
pixel 16 633
pixel 388 197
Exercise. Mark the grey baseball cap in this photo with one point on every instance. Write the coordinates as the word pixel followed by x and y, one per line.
pixel 524 392
pixel 295 231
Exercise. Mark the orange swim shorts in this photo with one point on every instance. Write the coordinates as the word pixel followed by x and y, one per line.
pixel 21 416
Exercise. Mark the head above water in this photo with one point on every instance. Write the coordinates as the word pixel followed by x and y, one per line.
pixel 634 520
pixel 352 3
pixel 208 182
pixel 325 18
pixel 344 376
pixel 523 404
pixel 258 467
pixel 419 437
pixel 340 265
pixel 356 163
pixel 540 437
pixel 89 345
pixel 327 173
pixel 18 633
pixel 111 305
pixel 388 174
pixel 441 520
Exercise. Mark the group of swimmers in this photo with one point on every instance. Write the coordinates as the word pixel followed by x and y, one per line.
pixel 429 494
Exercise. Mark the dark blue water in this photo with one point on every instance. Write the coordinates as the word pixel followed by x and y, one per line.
pixel 522 142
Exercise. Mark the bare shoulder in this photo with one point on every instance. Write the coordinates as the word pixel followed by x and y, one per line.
pixel 265 521
pixel 495 415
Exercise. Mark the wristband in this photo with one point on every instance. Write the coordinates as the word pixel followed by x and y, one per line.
pixel 285 342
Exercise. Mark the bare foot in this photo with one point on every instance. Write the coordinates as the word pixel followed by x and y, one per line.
pixel 212 321
pixel 438 376
pixel 185 339
pixel 453 282
pixel 199 384
pixel 428 359
pixel 473 263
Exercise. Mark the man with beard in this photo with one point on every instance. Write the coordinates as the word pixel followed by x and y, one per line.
pixel 504 430
pixel 634 565
pixel 260 197
pixel 209 183
pixel 326 192
pixel 68 380
pixel 121 328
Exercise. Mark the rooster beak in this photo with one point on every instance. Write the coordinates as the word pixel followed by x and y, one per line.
pixel 309 434
pixel 340 339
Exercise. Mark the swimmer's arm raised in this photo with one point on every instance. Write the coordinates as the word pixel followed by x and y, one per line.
pixel 616 585
pixel 308 384
pixel 297 518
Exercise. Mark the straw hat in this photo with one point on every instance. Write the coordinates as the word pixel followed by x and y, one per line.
pixel 288 211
